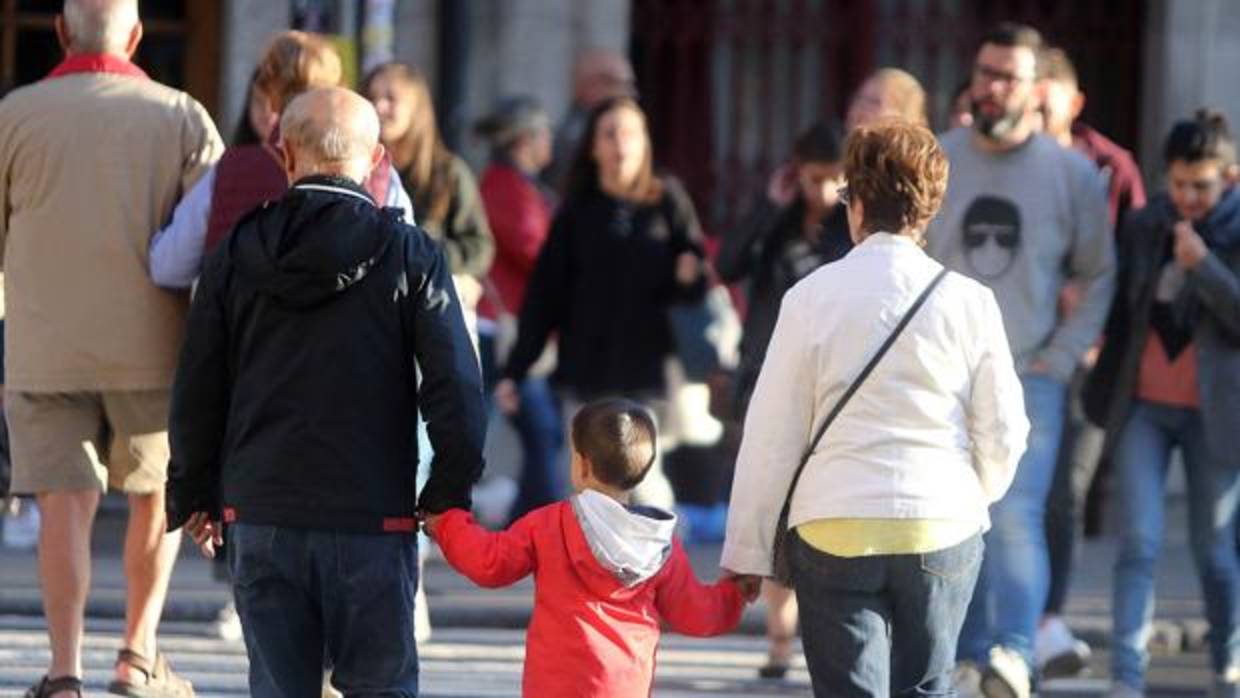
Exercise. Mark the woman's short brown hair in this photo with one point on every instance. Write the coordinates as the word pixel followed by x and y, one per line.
pixel 294 62
pixel 898 172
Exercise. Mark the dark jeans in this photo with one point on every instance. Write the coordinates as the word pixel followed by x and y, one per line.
pixel 309 599
pixel 544 479
pixel 1079 452
pixel 884 625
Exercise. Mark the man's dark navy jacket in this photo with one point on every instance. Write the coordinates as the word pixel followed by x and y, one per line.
pixel 296 396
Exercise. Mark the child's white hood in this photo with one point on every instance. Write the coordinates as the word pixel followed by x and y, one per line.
pixel 630 542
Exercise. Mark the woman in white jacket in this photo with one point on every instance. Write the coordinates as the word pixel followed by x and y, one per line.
pixel 886 518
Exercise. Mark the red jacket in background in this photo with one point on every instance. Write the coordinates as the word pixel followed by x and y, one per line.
pixel 1125 188
pixel 590 636
pixel 520 216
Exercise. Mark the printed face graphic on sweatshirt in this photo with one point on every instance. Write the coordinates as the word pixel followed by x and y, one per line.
pixel 992 236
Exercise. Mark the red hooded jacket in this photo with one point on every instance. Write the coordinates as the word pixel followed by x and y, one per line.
pixel 590 636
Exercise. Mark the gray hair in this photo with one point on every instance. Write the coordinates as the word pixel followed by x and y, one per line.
pixel 333 128
pixel 100 26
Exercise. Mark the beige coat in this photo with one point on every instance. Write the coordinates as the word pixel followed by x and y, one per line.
pixel 90 166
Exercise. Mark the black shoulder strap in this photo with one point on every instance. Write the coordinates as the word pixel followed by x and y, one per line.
pixel 852 389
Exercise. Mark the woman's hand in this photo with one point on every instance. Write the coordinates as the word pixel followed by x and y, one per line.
pixel 506 397
pixel 1190 249
pixel 688 269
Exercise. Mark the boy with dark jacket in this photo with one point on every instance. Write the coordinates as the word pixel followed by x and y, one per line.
pixel 294 412
pixel 606 573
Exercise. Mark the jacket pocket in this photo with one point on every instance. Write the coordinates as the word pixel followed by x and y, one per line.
pixel 956 561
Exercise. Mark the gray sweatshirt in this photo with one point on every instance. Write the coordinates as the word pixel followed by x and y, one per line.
pixel 1025 222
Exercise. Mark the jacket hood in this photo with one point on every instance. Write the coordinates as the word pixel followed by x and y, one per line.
pixel 322 237
pixel 630 543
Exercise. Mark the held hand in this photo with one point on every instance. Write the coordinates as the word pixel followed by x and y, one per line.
pixel 430 522
pixel 749 584
pixel 781 189
pixel 208 535
pixel 1190 249
pixel 688 268
pixel 506 397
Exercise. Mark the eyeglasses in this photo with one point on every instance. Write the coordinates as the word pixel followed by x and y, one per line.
pixel 985 73
pixel 842 192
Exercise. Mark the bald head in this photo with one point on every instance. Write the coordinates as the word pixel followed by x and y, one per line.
pixel 100 26
pixel 601 74
pixel 330 131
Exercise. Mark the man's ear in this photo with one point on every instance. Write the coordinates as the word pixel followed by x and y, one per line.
pixel 290 159
pixel 1231 175
pixel 1078 104
pixel 376 156
pixel 62 34
pixel 135 37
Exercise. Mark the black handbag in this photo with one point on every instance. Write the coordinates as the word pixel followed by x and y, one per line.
pixel 782 566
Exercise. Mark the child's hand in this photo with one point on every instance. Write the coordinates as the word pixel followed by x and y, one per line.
pixel 749 584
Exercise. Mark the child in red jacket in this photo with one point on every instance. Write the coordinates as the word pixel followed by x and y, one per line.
pixel 605 573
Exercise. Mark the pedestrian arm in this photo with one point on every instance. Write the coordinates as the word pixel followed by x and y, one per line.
pixel 200 403
pixel 450 393
pixel 1218 287
pixel 176 250
pixel 519 219
pixel 489 559
pixel 778 429
pixel 546 298
pixel 1091 265
pixel 742 246
pixel 686 238
pixel 467 235
pixel 692 608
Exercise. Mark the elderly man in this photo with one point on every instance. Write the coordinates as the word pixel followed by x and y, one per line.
pixel 598 75
pixel 93 159
pixel 293 413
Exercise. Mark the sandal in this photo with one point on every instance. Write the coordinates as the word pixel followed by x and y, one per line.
pixel 775 668
pixel 49 687
pixel 160 682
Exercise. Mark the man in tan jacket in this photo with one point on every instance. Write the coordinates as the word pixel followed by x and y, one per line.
pixel 92 160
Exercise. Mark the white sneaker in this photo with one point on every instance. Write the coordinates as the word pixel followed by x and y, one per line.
pixel 967 680
pixel 1119 689
pixel 1057 652
pixel 227 625
pixel 1227 684
pixel 1006 675
pixel 21 529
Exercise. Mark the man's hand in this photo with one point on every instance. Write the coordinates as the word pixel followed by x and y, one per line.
pixel 749 584
pixel 1190 249
pixel 207 534
pixel 506 397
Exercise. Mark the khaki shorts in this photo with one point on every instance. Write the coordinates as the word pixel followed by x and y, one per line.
pixel 64 442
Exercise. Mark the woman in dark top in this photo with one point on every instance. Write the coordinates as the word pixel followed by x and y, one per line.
pixel 796 227
pixel 624 245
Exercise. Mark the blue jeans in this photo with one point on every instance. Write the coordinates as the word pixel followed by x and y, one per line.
pixel 1142 455
pixel 308 599
pixel 543 478
pixel 884 625
pixel 1012 587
